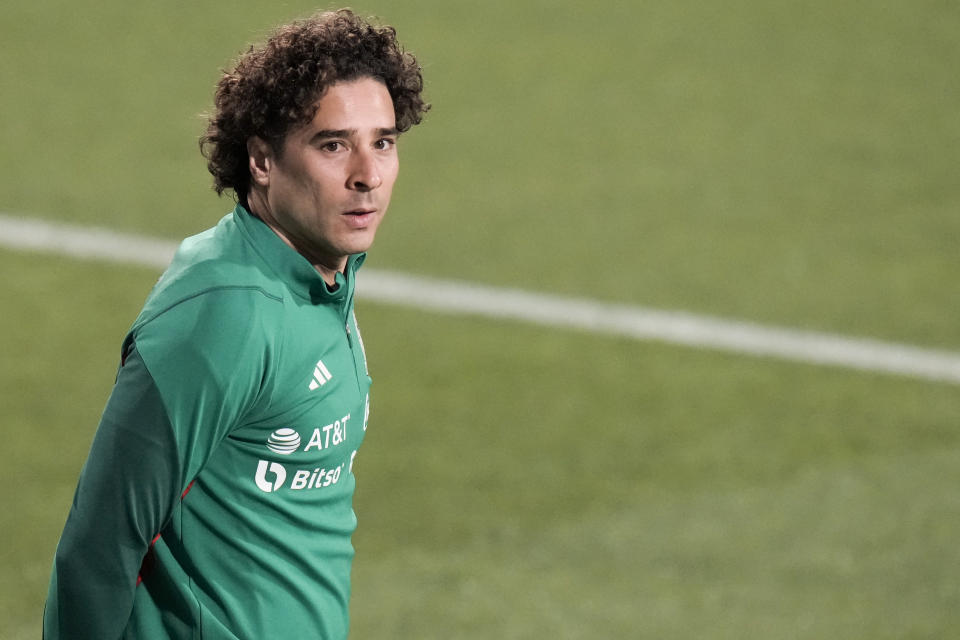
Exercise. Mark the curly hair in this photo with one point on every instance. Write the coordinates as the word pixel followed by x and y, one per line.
pixel 275 87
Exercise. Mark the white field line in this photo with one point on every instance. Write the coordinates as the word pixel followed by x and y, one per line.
pixel 447 296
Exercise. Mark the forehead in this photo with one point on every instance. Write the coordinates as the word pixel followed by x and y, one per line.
pixel 360 104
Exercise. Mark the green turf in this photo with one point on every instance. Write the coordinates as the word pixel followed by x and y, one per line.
pixel 794 164
pixel 531 483
pixel 788 163
pixel 62 324
pixel 540 484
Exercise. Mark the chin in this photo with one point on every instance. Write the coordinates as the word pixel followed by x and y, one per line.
pixel 360 244
pixel 355 248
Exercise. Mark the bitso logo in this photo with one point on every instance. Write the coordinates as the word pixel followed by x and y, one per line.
pixel 284 441
pixel 276 470
pixel 271 476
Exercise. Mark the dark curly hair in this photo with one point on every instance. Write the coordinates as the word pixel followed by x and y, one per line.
pixel 275 87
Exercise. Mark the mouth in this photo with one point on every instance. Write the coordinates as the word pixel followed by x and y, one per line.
pixel 359 218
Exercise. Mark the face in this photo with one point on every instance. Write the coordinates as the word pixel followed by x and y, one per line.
pixel 328 189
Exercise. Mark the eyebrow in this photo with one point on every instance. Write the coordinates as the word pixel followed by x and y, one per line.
pixel 325 134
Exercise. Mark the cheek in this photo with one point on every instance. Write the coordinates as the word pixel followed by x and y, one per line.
pixel 390 173
pixel 323 191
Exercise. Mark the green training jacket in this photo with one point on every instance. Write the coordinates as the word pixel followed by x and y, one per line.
pixel 217 498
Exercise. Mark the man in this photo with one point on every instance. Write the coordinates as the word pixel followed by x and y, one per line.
pixel 216 501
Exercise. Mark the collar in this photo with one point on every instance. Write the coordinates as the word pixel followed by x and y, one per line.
pixel 295 270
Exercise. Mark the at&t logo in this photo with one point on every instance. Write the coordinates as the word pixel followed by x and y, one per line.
pixel 272 476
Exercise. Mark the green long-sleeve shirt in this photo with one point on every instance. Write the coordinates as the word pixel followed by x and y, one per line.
pixel 216 501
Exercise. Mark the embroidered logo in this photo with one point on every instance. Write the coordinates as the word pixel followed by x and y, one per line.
pixel 321 375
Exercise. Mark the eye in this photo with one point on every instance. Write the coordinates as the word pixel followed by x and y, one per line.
pixel 384 144
pixel 332 145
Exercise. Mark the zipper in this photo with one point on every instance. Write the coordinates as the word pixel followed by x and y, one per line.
pixel 353 354
pixel 347 314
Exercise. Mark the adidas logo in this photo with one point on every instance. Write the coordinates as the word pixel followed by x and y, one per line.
pixel 320 376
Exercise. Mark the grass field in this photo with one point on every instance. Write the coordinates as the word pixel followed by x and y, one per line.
pixel 785 163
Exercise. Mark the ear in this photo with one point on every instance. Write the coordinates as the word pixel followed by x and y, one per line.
pixel 260 156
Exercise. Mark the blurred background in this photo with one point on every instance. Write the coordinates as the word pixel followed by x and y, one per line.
pixel 790 163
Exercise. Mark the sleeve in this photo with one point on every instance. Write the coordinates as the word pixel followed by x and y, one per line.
pixel 189 377
pixel 127 490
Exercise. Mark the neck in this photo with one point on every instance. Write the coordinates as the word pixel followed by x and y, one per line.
pixel 258 206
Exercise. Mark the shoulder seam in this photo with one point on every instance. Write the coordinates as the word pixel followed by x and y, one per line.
pixel 254 288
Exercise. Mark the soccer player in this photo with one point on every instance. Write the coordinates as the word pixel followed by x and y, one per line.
pixel 216 501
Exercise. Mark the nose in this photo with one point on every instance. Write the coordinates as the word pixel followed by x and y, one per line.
pixel 364 172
